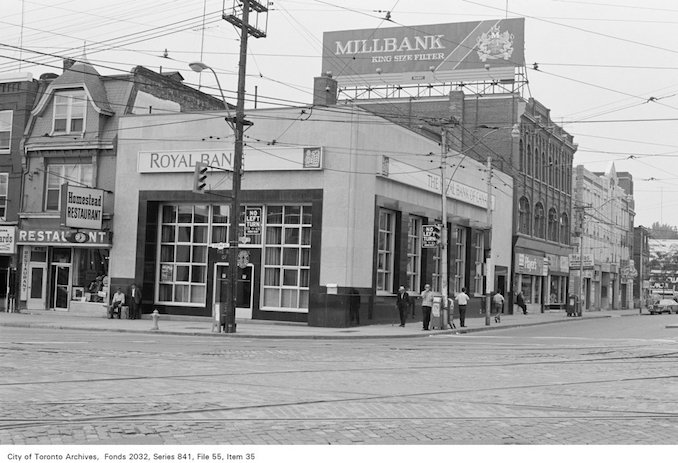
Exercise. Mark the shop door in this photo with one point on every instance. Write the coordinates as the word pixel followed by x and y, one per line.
pixel 4 287
pixel 60 277
pixel 244 289
pixel 37 276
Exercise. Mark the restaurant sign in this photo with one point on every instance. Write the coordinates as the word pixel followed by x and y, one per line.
pixel 65 237
pixel 82 207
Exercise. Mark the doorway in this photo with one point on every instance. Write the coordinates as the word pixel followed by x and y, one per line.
pixel 61 288
pixel 244 289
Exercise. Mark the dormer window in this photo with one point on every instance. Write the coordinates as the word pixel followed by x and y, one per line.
pixel 69 112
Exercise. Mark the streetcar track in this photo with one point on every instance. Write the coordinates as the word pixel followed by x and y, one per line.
pixel 356 399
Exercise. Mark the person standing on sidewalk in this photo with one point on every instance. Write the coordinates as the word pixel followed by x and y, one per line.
pixel 462 301
pixel 426 306
pixel 520 301
pixel 498 305
pixel 135 302
pixel 402 304
pixel 354 306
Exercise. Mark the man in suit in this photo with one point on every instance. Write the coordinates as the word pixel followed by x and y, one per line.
pixel 134 302
pixel 402 303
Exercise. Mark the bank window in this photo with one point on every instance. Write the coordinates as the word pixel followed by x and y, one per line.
pixel 5 131
pixel 385 250
pixel 414 254
pixel 4 179
pixel 69 112
pixel 184 230
pixel 58 174
pixel 287 257
pixel 479 257
pixel 221 224
pixel 459 280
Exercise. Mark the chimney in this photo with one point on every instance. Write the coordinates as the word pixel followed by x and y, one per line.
pixel 324 90
pixel 68 62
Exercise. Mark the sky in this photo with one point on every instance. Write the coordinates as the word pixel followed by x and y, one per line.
pixel 607 69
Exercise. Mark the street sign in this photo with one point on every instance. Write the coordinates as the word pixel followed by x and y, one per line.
pixel 253 221
pixel 430 236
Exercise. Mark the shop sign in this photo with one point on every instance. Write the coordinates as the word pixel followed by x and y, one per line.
pixel 253 220
pixel 25 258
pixel 266 158
pixel 425 53
pixel 82 207
pixel 530 265
pixel 7 240
pixel 76 238
pixel 588 261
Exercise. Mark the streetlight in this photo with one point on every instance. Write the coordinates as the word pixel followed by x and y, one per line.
pixel 198 67
pixel 238 128
pixel 489 263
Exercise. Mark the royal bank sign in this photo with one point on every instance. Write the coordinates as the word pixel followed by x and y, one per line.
pixel 264 159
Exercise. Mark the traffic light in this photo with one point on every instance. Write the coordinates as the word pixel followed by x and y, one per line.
pixel 200 177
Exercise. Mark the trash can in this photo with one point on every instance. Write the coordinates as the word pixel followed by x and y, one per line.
pixel 573 309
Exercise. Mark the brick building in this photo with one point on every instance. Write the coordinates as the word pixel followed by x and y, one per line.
pixel 71 138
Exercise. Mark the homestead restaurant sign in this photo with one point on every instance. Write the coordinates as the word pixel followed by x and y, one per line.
pixel 83 207
pixel 438 52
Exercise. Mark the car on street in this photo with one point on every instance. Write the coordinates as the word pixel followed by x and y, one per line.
pixel 664 305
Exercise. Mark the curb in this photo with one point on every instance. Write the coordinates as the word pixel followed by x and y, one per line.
pixel 456 331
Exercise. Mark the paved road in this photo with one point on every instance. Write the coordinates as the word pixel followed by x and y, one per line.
pixel 573 383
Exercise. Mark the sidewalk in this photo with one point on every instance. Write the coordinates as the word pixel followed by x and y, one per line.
pixel 198 326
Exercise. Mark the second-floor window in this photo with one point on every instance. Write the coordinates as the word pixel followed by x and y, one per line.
pixel 4 179
pixel 5 130
pixel 58 174
pixel 69 112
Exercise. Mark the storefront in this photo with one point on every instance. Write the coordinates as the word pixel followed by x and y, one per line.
pixel 530 273
pixel 7 267
pixel 332 208
pixel 64 269
pixel 558 279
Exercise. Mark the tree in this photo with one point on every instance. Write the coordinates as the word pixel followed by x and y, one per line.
pixel 664 231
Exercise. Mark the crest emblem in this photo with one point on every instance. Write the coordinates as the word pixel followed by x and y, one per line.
pixel 243 259
pixel 495 44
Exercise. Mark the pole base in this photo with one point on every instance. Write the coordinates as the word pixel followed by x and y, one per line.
pixel 229 328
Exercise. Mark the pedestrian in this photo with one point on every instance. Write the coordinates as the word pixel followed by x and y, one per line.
pixel 520 301
pixel 426 306
pixel 402 303
pixel 135 302
pixel 117 303
pixel 498 305
pixel 354 306
pixel 462 301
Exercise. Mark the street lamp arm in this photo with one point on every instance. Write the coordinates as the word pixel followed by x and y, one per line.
pixel 198 66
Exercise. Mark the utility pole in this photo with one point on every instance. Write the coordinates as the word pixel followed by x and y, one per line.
pixel 489 264
pixel 443 226
pixel 579 229
pixel 245 31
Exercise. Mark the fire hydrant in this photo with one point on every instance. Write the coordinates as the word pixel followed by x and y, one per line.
pixel 155 316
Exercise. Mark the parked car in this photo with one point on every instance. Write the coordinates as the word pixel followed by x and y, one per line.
pixel 664 305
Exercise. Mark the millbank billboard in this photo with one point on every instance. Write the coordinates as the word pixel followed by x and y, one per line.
pixel 478 50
